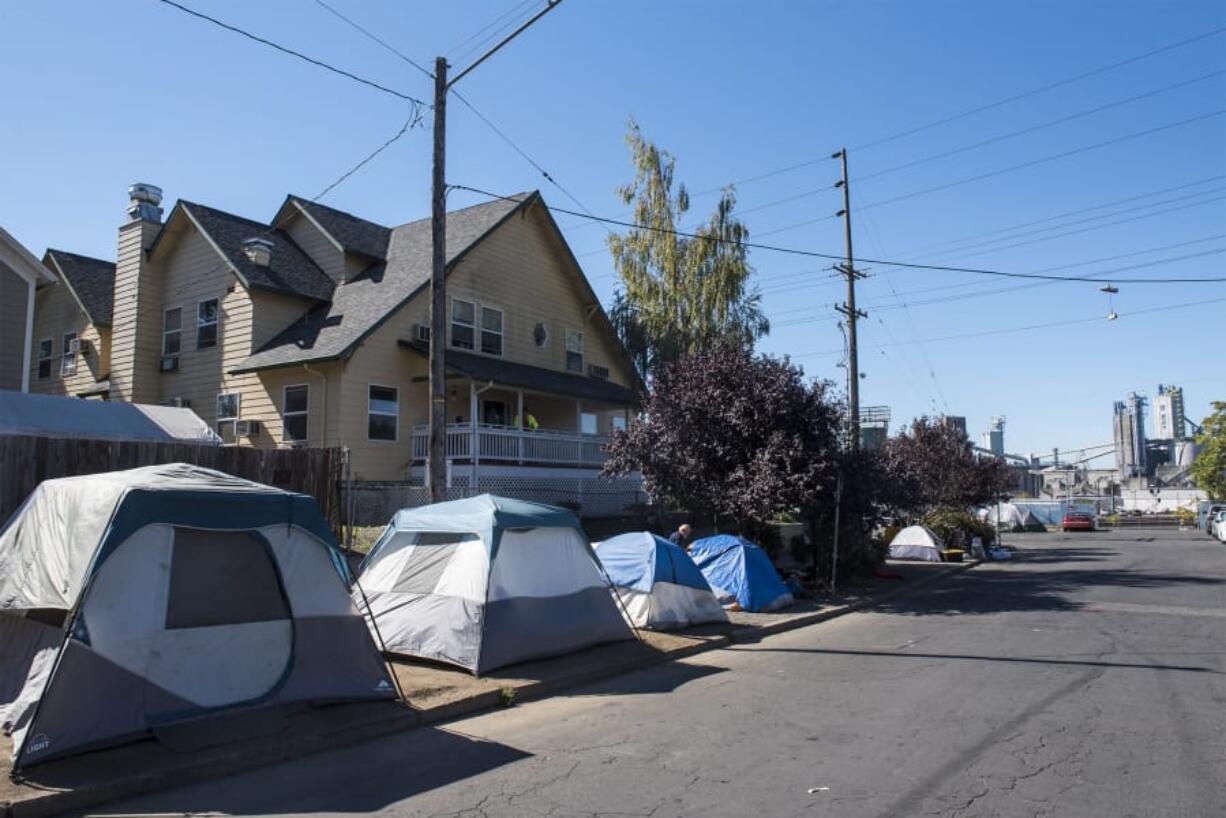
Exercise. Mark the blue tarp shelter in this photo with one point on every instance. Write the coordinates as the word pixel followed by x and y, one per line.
pixel 740 573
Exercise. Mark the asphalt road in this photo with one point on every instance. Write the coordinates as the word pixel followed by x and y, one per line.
pixel 1087 679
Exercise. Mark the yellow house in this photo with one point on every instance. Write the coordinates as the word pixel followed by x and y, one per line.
pixel 312 330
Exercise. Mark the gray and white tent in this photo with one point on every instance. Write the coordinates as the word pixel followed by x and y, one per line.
pixel 147 601
pixel 486 582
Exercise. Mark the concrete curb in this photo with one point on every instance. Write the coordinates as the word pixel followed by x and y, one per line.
pixel 248 757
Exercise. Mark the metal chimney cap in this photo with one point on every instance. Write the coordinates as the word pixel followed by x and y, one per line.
pixel 144 192
pixel 258 250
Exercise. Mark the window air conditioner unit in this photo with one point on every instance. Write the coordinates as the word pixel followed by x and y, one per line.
pixel 601 372
pixel 170 363
pixel 421 332
pixel 180 403
pixel 246 428
pixel 74 346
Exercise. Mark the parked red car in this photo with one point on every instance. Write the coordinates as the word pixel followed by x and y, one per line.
pixel 1078 521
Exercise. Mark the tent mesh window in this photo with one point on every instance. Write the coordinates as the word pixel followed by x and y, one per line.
pixel 222 578
pixel 429 558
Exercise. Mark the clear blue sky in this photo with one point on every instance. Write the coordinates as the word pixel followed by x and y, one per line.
pixel 98 95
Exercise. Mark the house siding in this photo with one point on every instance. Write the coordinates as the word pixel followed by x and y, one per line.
pixel 521 269
pixel 136 317
pixel 273 313
pixel 56 313
pixel 14 295
pixel 318 246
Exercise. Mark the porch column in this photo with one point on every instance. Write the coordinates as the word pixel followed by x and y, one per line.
pixel 520 423
pixel 578 432
pixel 475 450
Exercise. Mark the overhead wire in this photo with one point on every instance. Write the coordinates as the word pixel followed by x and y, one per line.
pixel 293 53
pixel 840 256
pixel 1047 325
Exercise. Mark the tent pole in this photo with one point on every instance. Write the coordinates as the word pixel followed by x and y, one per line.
pixel 374 623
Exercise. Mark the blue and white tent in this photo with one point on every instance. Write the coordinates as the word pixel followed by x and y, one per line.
pixel 659 585
pixel 150 600
pixel 740 573
pixel 486 582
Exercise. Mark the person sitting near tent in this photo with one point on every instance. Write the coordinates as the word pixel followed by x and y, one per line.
pixel 683 536
pixel 529 421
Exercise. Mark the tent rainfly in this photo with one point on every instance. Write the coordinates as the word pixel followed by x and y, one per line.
pixel 486 582
pixel 916 542
pixel 660 586
pixel 740 573
pixel 155 599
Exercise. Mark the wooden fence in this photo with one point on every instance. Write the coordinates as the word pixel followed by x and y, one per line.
pixel 27 461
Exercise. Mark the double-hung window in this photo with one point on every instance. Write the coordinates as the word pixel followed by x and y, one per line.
pixel 383 413
pixel 46 350
pixel 68 363
pixel 228 405
pixel 574 350
pixel 463 323
pixel 172 332
pixel 295 412
pixel 491 331
pixel 206 324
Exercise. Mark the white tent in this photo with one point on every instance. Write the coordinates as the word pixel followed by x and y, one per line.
pixel 56 416
pixel 133 602
pixel 486 582
pixel 916 542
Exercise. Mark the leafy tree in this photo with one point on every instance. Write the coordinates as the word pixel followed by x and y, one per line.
pixel 734 436
pixel 932 465
pixel 679 295
pixel 1209 469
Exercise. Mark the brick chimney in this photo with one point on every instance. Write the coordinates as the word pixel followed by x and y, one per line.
pixel 136 324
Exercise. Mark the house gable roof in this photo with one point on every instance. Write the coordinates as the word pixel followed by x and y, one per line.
pixel 91 282
pixel 15 255
pixel 361 305
pixel 290 272
pixel 351 233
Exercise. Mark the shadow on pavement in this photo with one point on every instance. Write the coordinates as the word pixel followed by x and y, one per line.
pixel 662 678
pixel 1013 590
pixel 363 778
pixel 891 654
pixel 1068 555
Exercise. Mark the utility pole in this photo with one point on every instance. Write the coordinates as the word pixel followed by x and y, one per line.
pixel 436 469
pixel 436 466
pixel 849 309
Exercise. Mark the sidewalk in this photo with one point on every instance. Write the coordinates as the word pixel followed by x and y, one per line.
pixel 434 693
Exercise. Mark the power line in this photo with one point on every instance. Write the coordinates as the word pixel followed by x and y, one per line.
pixel 980 109
pixel 815 254
pixel 1048 325
pixel 375 37
pixel 1040 230
pixel 1045 159
pixel 499 24
pixel 283 49
pixel 488 123
pixel 413 119
pixel 982 143
pixel 1066 213
pixel 1049 124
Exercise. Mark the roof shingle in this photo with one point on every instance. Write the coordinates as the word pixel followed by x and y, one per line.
pixel 354 234
pixel 291 271
pixel 359 306
pixel 93 282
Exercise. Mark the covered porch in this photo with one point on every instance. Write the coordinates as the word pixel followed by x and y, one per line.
pixel 500 412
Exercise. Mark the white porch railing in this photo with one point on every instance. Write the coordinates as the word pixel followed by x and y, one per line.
pixel 507 444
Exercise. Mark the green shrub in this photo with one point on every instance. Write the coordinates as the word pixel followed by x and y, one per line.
pixel 948 524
